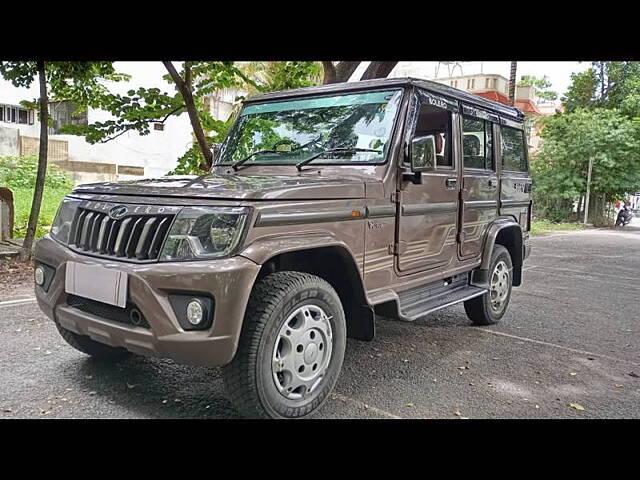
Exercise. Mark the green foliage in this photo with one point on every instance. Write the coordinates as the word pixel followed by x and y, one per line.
pixel 19 175
pixel 81 82
pixel 541 86
pixel 20 172
pixel 569 140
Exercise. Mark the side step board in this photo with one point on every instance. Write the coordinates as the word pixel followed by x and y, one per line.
pixel 422 300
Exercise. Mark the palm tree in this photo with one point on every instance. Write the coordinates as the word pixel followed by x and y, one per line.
pixel 512 83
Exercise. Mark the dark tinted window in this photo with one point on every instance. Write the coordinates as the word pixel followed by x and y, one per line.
pixel 477 144
pixel 513 155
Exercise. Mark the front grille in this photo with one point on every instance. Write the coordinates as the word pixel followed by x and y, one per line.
pixel 134 237
pixel 108 312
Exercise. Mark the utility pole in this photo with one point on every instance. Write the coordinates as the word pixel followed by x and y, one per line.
pixel 586 200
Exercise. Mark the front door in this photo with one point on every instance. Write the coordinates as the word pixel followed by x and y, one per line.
pixel 428 215
pixel 479 179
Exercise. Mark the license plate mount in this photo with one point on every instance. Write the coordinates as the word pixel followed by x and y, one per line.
pixel 96 282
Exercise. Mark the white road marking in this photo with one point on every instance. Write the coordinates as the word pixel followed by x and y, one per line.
pixel 529 267
pixel 358 403
pixel 562 347
pixel 20 301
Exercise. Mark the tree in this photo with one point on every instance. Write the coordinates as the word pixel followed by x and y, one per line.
pixel 342 71
pixel 541 87
pixel 512 83
pixel 76 81
pixel 606 85
pixel 607 137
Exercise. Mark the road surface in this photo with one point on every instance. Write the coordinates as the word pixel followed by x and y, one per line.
pixel 569 347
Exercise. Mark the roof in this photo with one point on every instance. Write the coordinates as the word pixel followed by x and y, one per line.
pixel 434 87
pixel 527 106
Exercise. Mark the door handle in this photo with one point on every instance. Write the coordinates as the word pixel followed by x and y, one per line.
pixel 493 182
pixel 451 182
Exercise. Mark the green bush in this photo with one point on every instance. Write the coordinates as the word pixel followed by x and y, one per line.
pixel 20 172
pixel 19 175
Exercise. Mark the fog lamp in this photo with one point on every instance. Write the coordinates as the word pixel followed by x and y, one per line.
pixel 38 275
pixel 195 312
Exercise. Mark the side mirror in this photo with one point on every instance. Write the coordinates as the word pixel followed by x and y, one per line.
pixel 422 153
pixel 215 150
pixel 422 156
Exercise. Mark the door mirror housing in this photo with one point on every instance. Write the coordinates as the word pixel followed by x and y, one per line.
pixel 422 153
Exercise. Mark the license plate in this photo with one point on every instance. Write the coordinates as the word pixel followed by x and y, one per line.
pixel 97 283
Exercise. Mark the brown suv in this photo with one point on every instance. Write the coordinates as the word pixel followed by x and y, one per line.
pixel 325 206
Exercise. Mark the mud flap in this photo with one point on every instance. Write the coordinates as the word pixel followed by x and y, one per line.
pixel 361 324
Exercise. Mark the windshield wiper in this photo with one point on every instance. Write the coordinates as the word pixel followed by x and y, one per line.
pixel 333 150
pixel 251 155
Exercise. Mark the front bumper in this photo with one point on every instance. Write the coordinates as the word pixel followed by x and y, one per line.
pixel 229 281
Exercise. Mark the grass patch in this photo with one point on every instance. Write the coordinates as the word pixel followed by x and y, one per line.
pixel 19 175
pixel 23 197
pixel 539 227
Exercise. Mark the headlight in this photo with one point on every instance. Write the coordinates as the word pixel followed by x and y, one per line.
pixel 64 218
pixel 202 233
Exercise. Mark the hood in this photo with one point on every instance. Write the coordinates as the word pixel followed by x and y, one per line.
pixel 234 186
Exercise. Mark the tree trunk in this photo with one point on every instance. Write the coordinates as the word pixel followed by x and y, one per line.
pixel 338 73
pixel 184 87
pixel 27 246
pixel 378 70
pixel 512 83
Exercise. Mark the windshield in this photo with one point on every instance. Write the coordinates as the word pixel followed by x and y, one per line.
pixel 292 131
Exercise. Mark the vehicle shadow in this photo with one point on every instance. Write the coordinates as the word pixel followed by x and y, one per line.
pixel 156 388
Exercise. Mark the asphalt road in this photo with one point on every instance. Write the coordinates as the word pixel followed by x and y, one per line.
pixel 571 336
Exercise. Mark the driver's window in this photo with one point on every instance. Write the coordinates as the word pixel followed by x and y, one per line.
pixel 436 122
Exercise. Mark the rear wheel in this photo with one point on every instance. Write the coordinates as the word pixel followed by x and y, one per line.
pixel 291 347
pixel 489 308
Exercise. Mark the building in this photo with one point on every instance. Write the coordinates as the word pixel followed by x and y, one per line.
pixel 129 156
pixel 491 86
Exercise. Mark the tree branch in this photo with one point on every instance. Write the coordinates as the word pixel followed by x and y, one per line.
pixel 187 96
pixel 378 70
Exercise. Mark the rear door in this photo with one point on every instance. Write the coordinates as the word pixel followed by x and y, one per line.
pixel 515 184
pixel 479 205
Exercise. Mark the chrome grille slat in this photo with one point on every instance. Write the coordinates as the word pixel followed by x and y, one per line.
pixel 101 238
pixel 158 237
pixel 120 240
pixel 143 247
pixel 85 228
pixel 137 236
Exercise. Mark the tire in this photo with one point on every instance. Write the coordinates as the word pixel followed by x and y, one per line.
pixel 287 311
pixel 481 310
pixel 95 349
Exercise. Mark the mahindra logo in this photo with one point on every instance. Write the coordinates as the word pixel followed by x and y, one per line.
pixel 118 212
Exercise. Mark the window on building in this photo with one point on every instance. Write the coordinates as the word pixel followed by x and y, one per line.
pixel 477 145
pixel 158 126
pixel 23 116
pixel 513 153
pixel 13 111
pixel 1 113
pixel 65 113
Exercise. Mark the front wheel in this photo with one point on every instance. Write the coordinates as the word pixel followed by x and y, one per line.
pixel 291 347
pixel 489 308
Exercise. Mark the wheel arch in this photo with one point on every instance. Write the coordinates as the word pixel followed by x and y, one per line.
pixel 507 233
pixel 329 259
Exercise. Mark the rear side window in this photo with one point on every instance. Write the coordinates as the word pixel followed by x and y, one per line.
pixel 477 143
pixel 513 156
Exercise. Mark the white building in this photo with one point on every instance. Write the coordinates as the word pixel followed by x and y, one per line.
pixel 129 156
